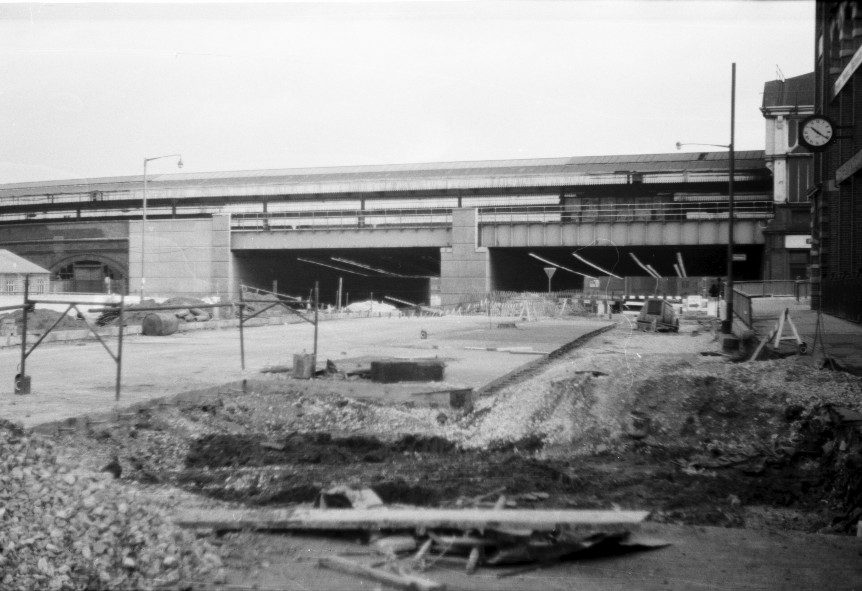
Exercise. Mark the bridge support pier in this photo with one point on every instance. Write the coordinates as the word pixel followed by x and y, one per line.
pixel 465 269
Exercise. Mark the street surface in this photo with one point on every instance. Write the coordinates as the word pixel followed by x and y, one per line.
pixel 76 378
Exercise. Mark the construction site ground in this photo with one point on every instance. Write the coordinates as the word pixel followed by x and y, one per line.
pixel 737 462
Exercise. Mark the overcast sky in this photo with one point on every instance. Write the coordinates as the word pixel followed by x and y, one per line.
pixel 91 90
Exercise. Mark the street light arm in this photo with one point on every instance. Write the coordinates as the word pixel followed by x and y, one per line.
pixel 679 145
pixel 180 156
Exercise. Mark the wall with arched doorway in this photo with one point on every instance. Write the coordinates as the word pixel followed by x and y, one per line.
pixel 81 252
pixel 89 273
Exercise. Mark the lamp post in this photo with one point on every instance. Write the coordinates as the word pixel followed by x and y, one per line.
pixel 144 215
pixel 727 325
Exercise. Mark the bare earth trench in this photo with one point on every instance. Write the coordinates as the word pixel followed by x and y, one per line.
pixel 739 464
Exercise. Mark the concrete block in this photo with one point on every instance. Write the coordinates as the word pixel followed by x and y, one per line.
pixel 391 371
pixel 729 343
pixel 304 366
pixel 462 399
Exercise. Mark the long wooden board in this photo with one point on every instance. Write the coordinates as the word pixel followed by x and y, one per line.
pixel 302 518
pixel 406 582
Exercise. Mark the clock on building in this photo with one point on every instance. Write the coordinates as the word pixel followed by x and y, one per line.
pixel 816 132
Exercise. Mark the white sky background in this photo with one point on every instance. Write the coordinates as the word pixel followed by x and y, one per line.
pixel 90 90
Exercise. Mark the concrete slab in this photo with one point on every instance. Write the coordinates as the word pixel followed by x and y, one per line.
pixel 75 378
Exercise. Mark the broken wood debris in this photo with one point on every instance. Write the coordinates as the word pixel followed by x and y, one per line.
pixel 303 518
pixel 344 496
pixel 393 545
pixel 400 581
pixel 480 537
pixel 844 416
pixel 618 542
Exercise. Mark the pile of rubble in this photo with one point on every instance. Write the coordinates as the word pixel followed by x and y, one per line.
pixel 62 527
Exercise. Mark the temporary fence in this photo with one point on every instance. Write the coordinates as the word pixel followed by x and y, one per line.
pixel 281 300
pixel 23 381
pixel 743 308
pixel 640 286
pixel 774 288
pixel 753 299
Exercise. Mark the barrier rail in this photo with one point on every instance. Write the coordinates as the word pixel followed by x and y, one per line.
pixel 610 211
pixel 745 292
pixel 774 288
pixel 742 307
pixel 355 218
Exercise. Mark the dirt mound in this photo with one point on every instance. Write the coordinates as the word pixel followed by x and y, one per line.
pixel 256 302
pixel 40 320
pixel 190 312
pixel 370 306
pixel 222 450
pixel 696 440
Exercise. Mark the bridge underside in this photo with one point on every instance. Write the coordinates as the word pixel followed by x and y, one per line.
pixel 408 274
pixel 514 269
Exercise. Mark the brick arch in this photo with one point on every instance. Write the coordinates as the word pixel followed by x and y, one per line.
pixel 114 264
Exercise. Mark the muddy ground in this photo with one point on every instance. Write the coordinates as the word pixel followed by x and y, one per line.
pixel 629 420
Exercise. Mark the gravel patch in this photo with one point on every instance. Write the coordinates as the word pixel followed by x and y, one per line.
pixel 63 527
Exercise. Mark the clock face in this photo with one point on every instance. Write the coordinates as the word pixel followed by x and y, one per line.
pixel 817 132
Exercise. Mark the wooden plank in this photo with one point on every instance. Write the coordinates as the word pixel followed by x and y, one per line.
pixel 303 518
pixel 407 582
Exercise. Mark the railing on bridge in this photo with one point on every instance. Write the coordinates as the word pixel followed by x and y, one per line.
pixel 353 218
pixel 624 212
pixel 442 217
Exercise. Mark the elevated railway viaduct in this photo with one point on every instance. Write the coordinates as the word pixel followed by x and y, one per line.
pixel 430 233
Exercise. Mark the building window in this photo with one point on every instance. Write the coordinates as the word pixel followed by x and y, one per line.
pixel 792 131
pixel 800 170
pixel 797 263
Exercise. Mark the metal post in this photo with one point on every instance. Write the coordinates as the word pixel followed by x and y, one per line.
pixel 728 296
pixel 22 377
pixel 120 346
pixel 340 285
pixel 275 286
pixel 316 306
pixel 144 231
pixel 241 335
